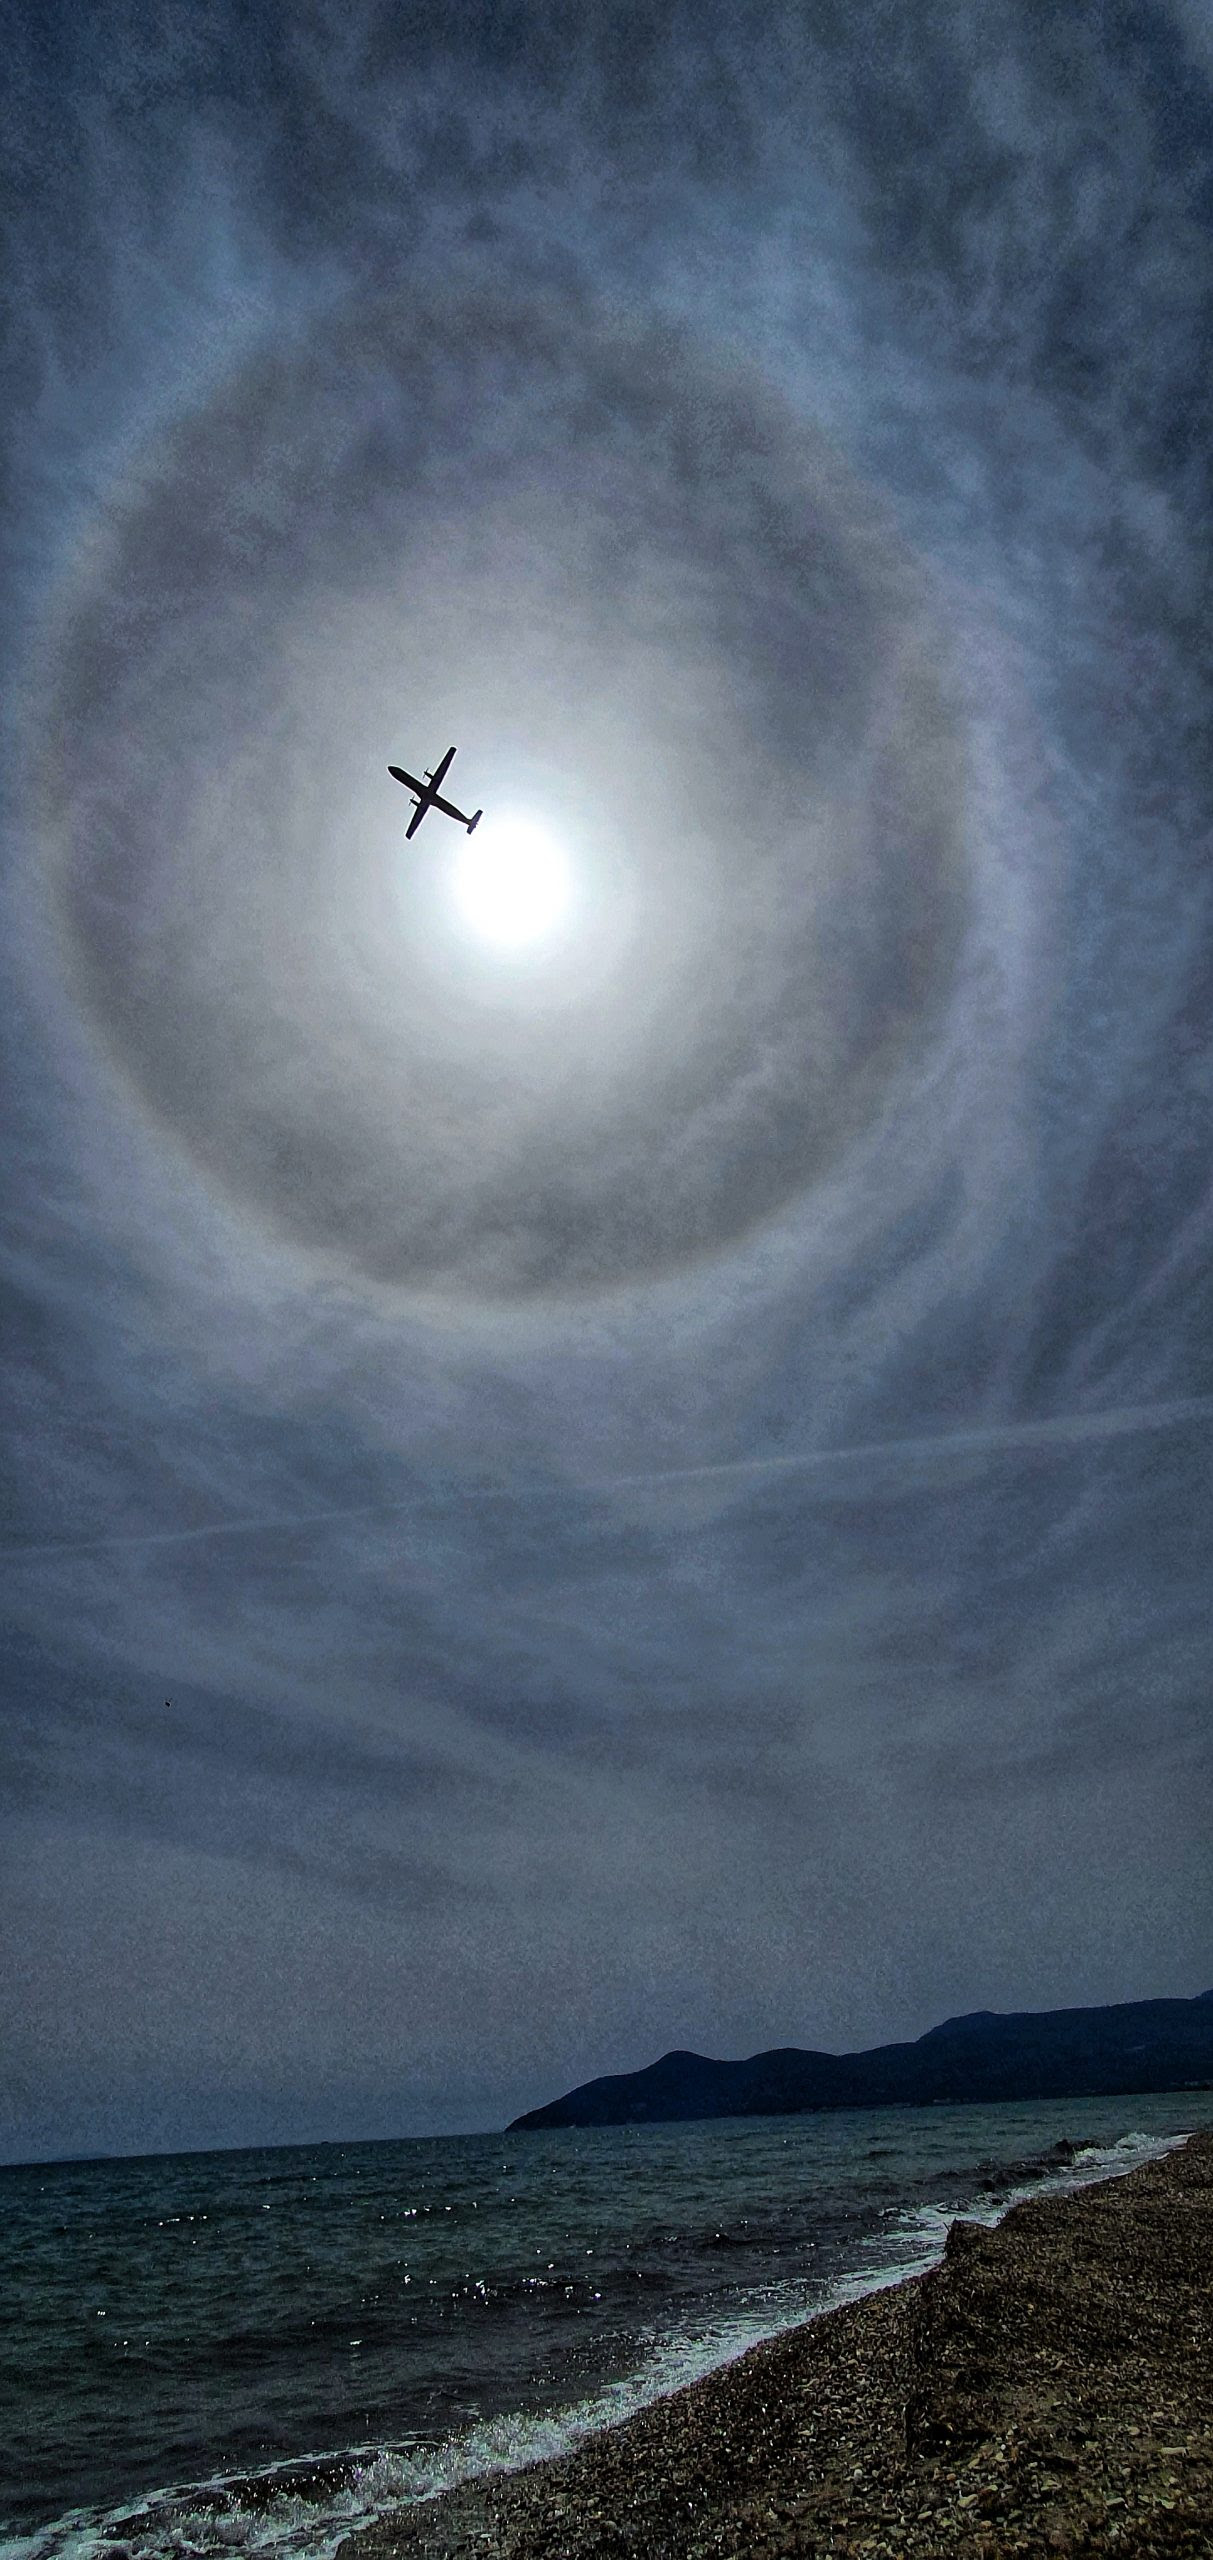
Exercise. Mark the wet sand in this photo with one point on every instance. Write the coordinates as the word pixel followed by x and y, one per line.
pixel 1047 2388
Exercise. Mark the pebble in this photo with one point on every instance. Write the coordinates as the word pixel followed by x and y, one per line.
pixel 1047 2388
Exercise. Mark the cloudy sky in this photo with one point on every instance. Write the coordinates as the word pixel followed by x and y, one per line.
pixel 647 1485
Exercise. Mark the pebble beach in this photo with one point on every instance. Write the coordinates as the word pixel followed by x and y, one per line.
pixel 1048 2387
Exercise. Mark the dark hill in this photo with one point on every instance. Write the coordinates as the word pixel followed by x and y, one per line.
pixel 1045 2053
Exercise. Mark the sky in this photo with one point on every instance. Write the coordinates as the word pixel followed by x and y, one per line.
pixel 646 1484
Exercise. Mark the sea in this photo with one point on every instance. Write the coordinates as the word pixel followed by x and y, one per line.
pixel 259 2351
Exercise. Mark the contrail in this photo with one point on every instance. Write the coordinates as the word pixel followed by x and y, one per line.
pixel 1064 1430
pixel 993 1436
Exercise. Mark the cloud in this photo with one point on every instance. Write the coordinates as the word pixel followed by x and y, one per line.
pixel 674 1471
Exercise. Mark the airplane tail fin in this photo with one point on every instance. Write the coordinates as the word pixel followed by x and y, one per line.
pixel 474 822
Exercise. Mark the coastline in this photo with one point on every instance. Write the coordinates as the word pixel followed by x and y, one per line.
pixel 1047 2387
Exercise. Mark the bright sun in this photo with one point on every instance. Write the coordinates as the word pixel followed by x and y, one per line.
pixel 511 881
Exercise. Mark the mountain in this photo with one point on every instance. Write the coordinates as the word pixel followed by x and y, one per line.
pixel 1029 2053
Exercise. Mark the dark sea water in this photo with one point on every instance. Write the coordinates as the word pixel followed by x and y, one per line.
pixel 258 2350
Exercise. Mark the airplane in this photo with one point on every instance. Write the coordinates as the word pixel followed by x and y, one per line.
pixel 428 796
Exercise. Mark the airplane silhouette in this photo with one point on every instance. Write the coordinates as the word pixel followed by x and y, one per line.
pixel 428 796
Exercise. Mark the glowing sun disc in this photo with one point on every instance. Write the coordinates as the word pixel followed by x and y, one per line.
pixel 511 881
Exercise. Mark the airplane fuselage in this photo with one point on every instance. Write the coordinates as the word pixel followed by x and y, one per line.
pixel 428 796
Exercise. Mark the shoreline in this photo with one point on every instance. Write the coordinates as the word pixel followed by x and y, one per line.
pixel 1048 2386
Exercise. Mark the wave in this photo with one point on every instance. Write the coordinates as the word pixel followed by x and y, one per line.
pixel 302 2509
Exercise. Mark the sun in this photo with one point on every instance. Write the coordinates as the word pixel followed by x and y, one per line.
pixel 512 882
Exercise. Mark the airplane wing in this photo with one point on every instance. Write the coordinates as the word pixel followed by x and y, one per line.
pixel 439 770
pixel 417 816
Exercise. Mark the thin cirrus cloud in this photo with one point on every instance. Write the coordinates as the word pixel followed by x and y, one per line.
pixel 619 1446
